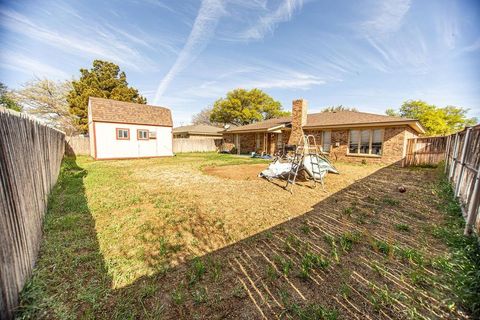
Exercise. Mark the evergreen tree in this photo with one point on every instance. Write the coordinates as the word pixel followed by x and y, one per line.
pixel 104 80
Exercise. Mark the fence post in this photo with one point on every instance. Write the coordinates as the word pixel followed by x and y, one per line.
pixel 473 205
pixel 447 152
pixel 462 161
pixel 414 149
pixel 454 157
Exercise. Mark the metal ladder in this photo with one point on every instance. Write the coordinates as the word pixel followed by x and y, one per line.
pixel 306 146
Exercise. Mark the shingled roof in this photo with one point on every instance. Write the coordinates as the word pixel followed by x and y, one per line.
pixel 262 125
pixel 201 129
pixel 107 110
pixel 332 119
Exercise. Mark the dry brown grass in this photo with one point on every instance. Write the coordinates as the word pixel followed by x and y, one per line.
pixel 191 209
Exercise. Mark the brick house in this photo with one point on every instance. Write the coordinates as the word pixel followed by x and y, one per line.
pixel 343 135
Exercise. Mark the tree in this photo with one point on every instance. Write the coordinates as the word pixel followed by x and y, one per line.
pixel 104 80
pixel 47 99
pixel 241 107
pixel 339 108
pixel 435 120
pixel 7 100
pixel 392 113
pixel 203 117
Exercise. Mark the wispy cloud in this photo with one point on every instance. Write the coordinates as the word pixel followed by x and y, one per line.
pixel 268 22
pixel 262 77
pixel 398 45
pixel 448 24
pixel 31 67
pixel 103 45
pixel 295 80
pixel 472 47
pixel 202 31
pixel 387 17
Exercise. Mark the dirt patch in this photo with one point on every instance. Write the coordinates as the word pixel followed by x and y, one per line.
pixel 236 172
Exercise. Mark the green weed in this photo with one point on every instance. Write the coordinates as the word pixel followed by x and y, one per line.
pixel 178 296
pixel 390 201
pixel 271 273
pixel 196 271
pixel 348 239
pixel 199 295
pixel 284 264
pixel 402 227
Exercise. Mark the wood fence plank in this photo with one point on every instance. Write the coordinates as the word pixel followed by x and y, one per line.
pixel 30 159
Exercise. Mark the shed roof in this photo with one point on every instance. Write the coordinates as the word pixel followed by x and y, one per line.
pixel 108 110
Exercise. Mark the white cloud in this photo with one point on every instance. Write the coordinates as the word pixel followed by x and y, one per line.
pixel 31 67
pixel 202 30
pixel 387 17
pixel 268 22
pixel 101 46
pixel 288 81
pixel 397 45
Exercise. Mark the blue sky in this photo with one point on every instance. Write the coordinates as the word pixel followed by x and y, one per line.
pixel 186 54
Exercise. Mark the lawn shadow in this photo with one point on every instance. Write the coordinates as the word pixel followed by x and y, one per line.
pixel 70 251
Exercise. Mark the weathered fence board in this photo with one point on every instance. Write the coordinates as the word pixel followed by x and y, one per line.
pixel 195 145
pixel 461 152
pixel 77 145
pixel 30 159
pixel 425 151
pixel 463 170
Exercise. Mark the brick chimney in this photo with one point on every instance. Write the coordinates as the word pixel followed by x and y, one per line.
pixel 299 119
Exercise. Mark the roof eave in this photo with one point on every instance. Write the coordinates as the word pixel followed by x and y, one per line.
pixel 414 124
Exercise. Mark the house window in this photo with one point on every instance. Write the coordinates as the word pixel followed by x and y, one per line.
pixel 142 134
pixel 123 134
pixel 366 142
pixel 326 141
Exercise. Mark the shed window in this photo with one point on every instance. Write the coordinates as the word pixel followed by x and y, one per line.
pixel 142 134
pixel 366 142
pixel 123 134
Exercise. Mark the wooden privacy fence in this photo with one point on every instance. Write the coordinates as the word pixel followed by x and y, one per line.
pixel 77 145
pixel 463 170
pixel 195 145
pixel 30 159
pixel 425 151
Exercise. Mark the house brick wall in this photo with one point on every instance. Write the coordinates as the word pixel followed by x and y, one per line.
pixel 392 149
pixel 228 144
pixel 299 119
pixel 248 142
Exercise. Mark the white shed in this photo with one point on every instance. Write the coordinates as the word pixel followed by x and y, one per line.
pixel 122 130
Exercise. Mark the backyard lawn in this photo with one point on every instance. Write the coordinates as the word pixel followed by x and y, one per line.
pixel 201 236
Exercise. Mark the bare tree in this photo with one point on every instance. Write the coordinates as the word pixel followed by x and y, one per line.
pixel 203 117
pixel 339 108
pixel 47 99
